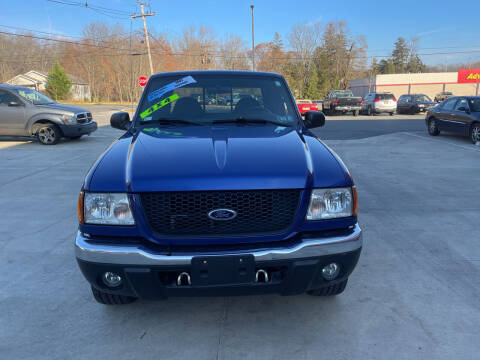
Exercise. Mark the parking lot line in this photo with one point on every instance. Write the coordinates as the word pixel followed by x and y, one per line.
pixel 443 142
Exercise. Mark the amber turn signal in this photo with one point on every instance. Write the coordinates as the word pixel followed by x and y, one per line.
pixel 80 207
pixel 355 200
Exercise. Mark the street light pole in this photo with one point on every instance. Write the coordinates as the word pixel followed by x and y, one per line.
pixel 253 42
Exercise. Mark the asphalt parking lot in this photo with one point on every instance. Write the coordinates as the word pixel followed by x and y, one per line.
pixel 414 295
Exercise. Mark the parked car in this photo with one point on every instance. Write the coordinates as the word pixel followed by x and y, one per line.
pixel 444 95
pixel 414 104
pixel 341 102
pixel 377 103
pixel 190 202
pixel 26 112
pixel 306 105
pixel 456 114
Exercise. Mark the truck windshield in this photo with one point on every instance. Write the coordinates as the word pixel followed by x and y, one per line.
pixel 205 99
pixel 34 96
pixel 342 93
pixel 422 98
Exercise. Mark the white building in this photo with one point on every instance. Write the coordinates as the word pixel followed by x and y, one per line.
pixel 422 83
pixel 80 89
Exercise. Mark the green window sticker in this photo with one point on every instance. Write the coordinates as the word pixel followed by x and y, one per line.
pixel 159 105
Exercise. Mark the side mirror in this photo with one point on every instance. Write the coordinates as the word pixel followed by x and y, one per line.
pixel 120 120
pixel 14 103
pixel 314 119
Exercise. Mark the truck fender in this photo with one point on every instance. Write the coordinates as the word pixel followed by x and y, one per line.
pixel 34 122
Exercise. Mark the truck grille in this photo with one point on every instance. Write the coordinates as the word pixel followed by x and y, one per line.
pixel 186 213
pixel 84 118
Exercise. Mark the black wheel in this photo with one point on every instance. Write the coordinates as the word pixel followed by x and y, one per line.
pixel 392 113
pixel 475 133
pixel 331 290
pixel 49 134
pixel 75 137
pixel 110 299
pixel 369 111
pixel 356 112
pixel 433 127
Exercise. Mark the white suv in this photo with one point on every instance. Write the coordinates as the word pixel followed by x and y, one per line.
pixel 376 103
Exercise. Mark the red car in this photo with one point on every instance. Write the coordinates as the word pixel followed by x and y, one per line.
pixel 306 105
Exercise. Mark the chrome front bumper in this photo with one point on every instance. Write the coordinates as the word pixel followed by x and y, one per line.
pixel 137 255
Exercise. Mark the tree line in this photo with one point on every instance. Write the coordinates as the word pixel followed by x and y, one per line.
pixel 313 58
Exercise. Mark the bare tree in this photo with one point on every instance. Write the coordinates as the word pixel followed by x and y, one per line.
pixel 304 39
pixel 233 51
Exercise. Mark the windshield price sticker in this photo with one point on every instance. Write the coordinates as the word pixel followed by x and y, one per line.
pixel 159 105
pixel 169 87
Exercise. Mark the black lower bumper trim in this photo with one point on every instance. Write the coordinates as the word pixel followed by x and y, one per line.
pixel 77 130
pixel 286 277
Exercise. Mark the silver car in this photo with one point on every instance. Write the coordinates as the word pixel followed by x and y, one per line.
pixel 376 103
pixel 26 112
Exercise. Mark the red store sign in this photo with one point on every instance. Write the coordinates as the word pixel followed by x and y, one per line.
pixel 469 75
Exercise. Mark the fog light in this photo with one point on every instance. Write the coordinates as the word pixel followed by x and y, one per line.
pixel 111 279
pixel 331 271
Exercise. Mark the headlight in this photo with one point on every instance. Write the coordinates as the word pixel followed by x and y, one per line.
pixel 67 119
pixel 107 209
pixel 332 203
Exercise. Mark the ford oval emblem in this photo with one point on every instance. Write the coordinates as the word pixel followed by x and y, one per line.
pixel 222 214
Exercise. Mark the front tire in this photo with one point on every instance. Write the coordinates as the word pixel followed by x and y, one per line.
pixel 433 127
pixel 331 290
pixel 475 133
pixel 49 134
pixel 111 299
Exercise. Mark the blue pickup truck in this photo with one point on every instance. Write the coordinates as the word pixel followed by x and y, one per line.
pixel 213 198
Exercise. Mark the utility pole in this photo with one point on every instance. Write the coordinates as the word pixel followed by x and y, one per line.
pixel 253 43
pixel 143 15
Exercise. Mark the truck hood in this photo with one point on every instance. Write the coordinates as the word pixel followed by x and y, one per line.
pixel 228 157
pixel 61 108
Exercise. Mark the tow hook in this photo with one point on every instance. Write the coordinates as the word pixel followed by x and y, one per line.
pixel 183 279
pixel 261 276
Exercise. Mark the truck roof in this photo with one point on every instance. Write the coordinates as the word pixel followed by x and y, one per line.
pixel 12 87
pixel 218 72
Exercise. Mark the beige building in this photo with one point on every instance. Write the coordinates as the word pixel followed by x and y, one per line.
pixel 424 83
pixel 80 90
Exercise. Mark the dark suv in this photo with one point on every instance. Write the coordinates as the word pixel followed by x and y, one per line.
pixel 217 199
pixel 414 104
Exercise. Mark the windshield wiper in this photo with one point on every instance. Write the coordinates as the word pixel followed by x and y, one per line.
pixel 169 121
pixel 243 120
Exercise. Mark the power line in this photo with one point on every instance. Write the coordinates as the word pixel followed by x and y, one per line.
pixel 219 54
pixel 113 13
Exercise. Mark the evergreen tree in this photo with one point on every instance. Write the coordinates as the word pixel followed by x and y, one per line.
pixel 58 83
pixel 386 66
pixel 416 65
pixel 400 55
pixel 311 88
pixel 277 42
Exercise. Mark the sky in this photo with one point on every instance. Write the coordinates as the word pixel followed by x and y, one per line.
pixel 441 26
